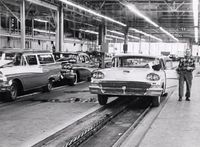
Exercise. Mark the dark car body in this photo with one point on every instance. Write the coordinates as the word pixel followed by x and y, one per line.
pixel 76 66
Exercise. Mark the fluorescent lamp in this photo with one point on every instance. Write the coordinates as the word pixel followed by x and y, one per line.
pixel 113 36
pixel 89 31
pixel 43 31
pixel 92 12
pixel 115 32
pixel 40 20
pixel 134 37
pixel 196 34
pixel 146 34
pixel 110 39
pixel 168 34
pixel 133 9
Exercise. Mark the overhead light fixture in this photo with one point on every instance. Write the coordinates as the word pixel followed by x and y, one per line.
pixel 89 31
pixel 168 34
pixel 92 12
pixel 134 37
pixel 43 31
pixel 110 39
pixel 40 20
pixel 196 18
pixel 115 32
pixel 113 36
pixel 119 33
pixel 133 9
pixel 145 34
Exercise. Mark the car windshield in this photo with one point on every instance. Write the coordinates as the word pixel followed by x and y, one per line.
pixel 134 62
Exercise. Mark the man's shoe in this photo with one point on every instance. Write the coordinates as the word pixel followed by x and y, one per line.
pixel 187 99
pixel 180 99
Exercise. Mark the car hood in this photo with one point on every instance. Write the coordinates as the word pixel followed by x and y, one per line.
pixel 4 62
pixel 127 74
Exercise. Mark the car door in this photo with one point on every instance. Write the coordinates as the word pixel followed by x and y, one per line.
pixel 171 75
pixel 50 68
pixel 31 72
pixel 84 69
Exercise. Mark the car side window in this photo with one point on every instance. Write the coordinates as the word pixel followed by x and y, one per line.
pixel 31 59
pixel 87 59
pixel 45 58
pixel 17 59
pixel 82 59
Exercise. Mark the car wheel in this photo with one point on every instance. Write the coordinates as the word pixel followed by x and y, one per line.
pixel 73 81
pixel 102 99
pixel 155 101
pixel 48 87
pixel 13 93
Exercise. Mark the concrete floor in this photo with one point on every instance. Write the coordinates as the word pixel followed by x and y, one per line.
pixel 177 124
pixel 28 121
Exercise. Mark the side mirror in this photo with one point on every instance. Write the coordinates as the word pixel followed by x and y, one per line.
pixel 156 67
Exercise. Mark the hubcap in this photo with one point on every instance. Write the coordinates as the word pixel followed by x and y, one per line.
pixel 13 91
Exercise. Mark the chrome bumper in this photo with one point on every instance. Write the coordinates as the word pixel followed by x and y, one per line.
pixel 126 92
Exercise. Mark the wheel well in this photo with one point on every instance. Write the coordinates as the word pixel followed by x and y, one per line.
pixel 19 83
pixel 52 79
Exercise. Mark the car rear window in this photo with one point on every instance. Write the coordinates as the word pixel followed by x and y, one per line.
pixel 9 56
pixel 45 58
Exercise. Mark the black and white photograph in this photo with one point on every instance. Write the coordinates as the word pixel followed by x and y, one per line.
pixel 99 73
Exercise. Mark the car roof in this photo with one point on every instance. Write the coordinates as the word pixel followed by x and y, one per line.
pixel 9 50
pixel 74 53
pixel 135 55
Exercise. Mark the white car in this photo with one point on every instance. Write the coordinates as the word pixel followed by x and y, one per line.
pixel 29 69
pixel 134 75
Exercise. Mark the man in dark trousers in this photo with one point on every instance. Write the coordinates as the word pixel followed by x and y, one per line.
pixel 185 69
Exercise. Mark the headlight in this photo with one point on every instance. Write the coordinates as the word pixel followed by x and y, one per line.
pixel 67 66
pixel 153 77
pixel 2 77
pixel 98 75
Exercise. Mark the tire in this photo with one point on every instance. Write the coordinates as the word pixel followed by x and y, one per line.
pixel 13 93
pixel 102 99
pixel 74 81
pixel 48 87
pixel 156 101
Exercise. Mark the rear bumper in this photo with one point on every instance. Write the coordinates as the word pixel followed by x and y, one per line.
pixel 124 92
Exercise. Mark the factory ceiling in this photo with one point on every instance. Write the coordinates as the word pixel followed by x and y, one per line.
pixel 175 16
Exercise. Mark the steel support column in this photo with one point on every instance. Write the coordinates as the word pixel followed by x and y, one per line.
pixel 61 26
pixel 23 27
pixel 57 30
pixel 102 42
pixel 125 45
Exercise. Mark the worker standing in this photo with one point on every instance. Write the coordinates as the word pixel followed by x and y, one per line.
pixel 185 69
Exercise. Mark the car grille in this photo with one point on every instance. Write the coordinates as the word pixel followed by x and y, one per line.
pixel 121 87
